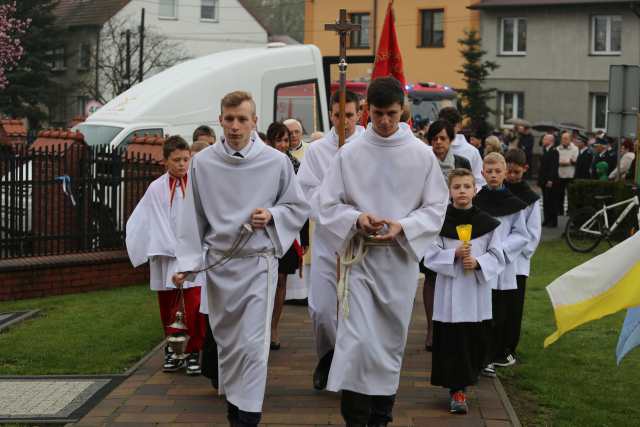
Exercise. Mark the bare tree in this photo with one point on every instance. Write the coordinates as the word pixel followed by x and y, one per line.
pixel 281 16
pixel 118 64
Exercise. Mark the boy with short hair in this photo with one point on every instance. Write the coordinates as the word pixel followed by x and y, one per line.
pixel 323 299
pixel 516 168
pixel 383 202
pixel 244 203
pixel 460 146
pixel 151 236
pixel 462 303
pixel 499 202
pixel 205 134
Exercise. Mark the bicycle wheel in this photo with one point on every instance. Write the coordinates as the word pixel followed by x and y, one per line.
pixel 579 240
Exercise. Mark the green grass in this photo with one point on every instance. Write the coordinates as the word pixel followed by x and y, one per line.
pixel 102 332
pixel 574 382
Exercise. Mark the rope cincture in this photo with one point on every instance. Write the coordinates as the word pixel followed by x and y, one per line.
pixel 356 250
pixel 353 254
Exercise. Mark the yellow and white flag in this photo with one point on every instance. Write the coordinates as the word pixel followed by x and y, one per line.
pixel 601 286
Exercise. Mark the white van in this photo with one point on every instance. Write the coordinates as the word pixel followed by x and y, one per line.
pixel 286 81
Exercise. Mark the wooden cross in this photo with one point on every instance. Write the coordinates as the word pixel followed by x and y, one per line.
pixel 343 27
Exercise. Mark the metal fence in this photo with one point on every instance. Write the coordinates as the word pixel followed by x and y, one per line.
pixel 70 198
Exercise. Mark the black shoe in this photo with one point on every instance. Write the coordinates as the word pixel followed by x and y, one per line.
pixel 171 364
pixel 275 345
pixel 321 373
pixel 193 364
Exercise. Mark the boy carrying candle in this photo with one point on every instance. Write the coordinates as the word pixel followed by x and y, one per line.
pixel 468 257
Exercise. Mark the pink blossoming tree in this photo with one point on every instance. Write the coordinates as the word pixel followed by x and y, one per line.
pixel 11 49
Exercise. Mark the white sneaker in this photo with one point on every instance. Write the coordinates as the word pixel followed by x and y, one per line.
pixel 509 360
pixel 489 371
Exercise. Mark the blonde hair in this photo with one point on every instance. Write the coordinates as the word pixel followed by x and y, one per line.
pixel 492 145
pixel 198 146
pixel 235 99
pixel 459 173
pixel 315 136
pixel 493 158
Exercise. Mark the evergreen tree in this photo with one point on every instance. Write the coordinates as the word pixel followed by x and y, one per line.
pixel 31 82
pixel 475 71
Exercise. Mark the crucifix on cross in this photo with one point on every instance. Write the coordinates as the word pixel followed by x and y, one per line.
pixel 343 27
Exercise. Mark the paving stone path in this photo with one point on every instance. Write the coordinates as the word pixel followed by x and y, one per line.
pixel 152 398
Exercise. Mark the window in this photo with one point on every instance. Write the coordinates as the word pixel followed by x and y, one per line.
pixel 432 28
pixel 599 106
pixel 359 39
pixel 299 100
pixel 167 9
pixel 208 10
pixel 84 56
pixel 58 60
pixel 81 106
pixel 606 35
pixel 513 33
pixel 511 107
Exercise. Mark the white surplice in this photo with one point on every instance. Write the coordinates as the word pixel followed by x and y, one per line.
pixel 323 298
pixel 397 178
pixel 151 234
pixel 222 192
pixel 514 237
pixel 462 295
pixel 533 223
pixel 461 147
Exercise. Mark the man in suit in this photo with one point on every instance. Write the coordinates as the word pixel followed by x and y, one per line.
pixel 585 158
pixel 548 180
pixel 604 153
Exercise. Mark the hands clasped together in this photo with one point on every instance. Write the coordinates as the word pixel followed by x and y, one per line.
pixel 463 252
pixel 371 225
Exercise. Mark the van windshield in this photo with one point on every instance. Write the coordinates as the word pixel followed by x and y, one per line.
pixel 98 134
pixel 428 110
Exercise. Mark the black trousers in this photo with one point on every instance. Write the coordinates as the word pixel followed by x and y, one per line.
pixel 238 418
pixel 501 301
pixel 210 355
pixel 361 409
pixel 563 184
pixel 515 309
pixel 549 204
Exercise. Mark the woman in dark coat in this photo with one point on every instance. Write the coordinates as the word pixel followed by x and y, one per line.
pixel 439 136
pixel 278 137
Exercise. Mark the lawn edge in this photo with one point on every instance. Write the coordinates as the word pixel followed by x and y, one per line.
pixel 506 402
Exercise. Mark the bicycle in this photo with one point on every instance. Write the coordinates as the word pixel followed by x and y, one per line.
pixel 587 227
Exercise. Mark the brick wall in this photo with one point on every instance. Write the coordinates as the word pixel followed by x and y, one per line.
pixel 65 274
